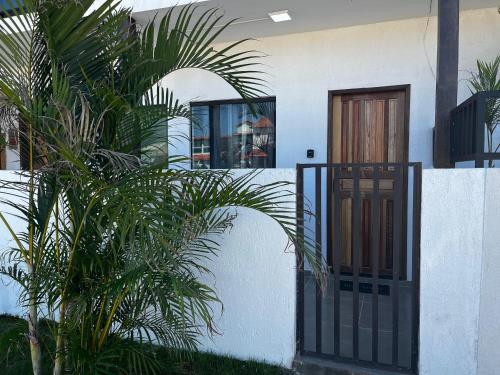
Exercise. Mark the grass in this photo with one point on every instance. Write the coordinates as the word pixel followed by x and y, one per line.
pixel 15 357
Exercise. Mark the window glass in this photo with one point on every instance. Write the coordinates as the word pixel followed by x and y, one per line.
pixel 241 135
pixel 200 141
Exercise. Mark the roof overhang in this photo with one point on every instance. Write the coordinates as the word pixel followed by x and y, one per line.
pixel 253 19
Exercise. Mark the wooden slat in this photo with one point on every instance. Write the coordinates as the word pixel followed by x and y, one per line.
pixel 369 130
pixel 393 144
pixel 378 146
pixel 365 229
pixel 356 132
pixel 347 231
pixel 362 127
pixel 350 135
pixel 389 235
pixel 383 235
pixel 337 130
pixel 345 132
pixel 3 157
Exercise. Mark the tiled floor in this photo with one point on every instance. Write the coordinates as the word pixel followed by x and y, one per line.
pixel 364 321
pixel 315 366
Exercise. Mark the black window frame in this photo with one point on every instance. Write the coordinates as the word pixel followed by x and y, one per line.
pixel 213 126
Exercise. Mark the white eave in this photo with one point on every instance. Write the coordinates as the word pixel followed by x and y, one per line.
pixel 253 15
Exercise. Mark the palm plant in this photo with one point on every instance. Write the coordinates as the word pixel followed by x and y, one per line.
pixel 487 78
pixel 114 245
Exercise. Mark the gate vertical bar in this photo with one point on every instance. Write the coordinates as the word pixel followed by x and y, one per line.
pixel 336 260
pixel 329 217
pixel 417 208
pixel 397 248
pixel 479 130
pixel 375 245
pixel 318 233
pixel 300 258
pixel 356 230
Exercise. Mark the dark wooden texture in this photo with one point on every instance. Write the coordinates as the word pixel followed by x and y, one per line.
pixel 373 127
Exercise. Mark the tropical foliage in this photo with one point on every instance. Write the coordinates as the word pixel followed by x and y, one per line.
pixel 115 242
pixel 487 78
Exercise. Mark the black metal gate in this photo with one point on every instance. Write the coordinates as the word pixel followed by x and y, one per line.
pixel 368 313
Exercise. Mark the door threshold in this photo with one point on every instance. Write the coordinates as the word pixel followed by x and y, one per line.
pixel 304 365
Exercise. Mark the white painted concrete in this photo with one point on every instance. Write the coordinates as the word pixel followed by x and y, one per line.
pixel 254 276
pixel 451 244
pixel 12 158
pixel 459 301
pixel 9 292
pixel 302 68
pixel 489 308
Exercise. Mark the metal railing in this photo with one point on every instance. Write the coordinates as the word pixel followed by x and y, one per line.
pixel 472 129
pixel 365 220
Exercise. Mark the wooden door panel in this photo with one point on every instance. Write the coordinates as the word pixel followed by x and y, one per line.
pixel 369 129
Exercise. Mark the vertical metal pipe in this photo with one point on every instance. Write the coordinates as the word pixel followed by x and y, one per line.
pixel 479 130
pixel 375 253
pixel 300 258
pixel 417 207
pixel 356 230
pixel 318 233
pixel 336 259
pixel 398 248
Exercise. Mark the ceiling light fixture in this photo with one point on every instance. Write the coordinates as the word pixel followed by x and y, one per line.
pixel 280 16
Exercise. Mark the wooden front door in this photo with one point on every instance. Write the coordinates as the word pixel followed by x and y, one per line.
pixel 369 127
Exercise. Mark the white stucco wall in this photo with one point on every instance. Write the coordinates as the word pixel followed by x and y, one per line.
pixel 451 243
pixel 459 300
pixel 489 308
pixel 302 68
pixel 254 276
pixel 9 292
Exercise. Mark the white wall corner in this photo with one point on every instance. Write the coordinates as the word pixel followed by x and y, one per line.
pixel 254 276
pixel 489 324
pixel 451 248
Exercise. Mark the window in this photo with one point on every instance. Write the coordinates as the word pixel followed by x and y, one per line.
pixel 234 134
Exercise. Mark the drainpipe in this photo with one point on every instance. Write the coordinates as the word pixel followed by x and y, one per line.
pixel 446 79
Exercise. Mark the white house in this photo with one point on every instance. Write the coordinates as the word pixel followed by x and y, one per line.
pixel 355 94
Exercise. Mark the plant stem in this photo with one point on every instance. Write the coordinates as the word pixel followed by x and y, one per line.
pixel 35 348
pixel 58 364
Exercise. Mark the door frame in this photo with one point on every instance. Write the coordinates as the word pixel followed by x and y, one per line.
pixel 406 134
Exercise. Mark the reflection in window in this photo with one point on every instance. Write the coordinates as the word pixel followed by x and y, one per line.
pixel 234 135
pixel 201 137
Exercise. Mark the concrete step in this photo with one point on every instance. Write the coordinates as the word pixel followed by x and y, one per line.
pixel 315 366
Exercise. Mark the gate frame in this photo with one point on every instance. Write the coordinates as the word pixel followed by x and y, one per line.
pixel 415 245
